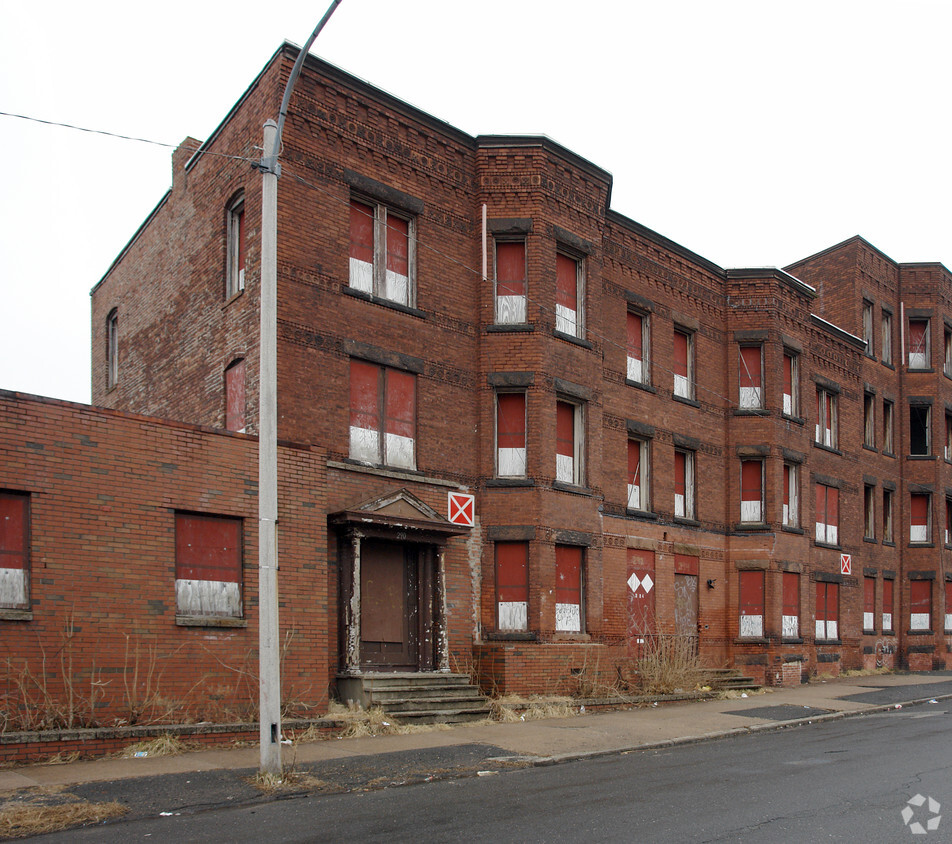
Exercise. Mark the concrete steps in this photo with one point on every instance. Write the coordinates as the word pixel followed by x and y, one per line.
pixel 723 679
pixel 420 698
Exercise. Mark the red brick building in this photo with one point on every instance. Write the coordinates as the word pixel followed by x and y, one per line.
pixel 748 459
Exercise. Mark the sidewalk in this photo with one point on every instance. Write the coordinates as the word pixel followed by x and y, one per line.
pixel 203 779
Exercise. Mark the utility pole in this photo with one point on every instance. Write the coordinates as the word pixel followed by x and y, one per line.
pixel 269 652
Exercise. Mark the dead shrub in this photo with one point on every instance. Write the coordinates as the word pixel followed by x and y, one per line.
pixel 668 663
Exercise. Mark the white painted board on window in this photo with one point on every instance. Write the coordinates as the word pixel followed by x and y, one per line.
pixel 565 468
pixel 207 597
pixel 751 625
pixel 512 462
pixel 400 451
pixel 566 320
pixel 510 310
pixel 887 621
pixel 868 623
pixel 361 275
pixel 919 621
pixel 512 615
pixel 364 444
pixel 12 587
pixel 634 496
pixel 568 618
pixel 398 288
pixel 634 369
pixel 790 627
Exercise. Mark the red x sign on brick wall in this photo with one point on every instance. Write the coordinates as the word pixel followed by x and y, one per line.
pixel 462 508
pixel 846 564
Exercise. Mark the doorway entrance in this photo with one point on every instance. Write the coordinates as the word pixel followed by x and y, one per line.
pixel 389 606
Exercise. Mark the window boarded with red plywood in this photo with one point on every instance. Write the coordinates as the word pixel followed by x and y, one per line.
pixel 511 268
pixel 751 590
pixel 790 605
pixel 567 295
pixel 207 565
pixel 751 491
pixel 642 623
pixel 869 604
pixel 919 518
pixel 511 434
pixel 751 378
pixel 512 585
pixel 568 589
pixel 887 606
pixel 920 605
pixel 14 550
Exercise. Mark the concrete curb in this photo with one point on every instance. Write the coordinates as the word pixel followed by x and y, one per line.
pixel 716 735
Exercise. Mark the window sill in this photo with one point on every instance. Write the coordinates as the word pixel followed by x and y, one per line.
pixel 888 365
pixel 751 411
pixel 751 526
pixel 686 400
pixel 575 489
pixel 888 544
pixel 871 540
pixel 751 640
pixel 869 632
pixel 917 369
pixel 920 633
pixel 387 303
pixel 791 529
pixel 510 328
pixel 889 633
pixel 647 515
pixel 889 454
pixel 512 636
pixel 797 420
pixel 380 467
pixel 829 545
pixel 233 298
pixel 922 545
pixel 569 338
pixel 828 448
pixel 686 520
pixel 796 641
pixel 16 615
pixel 208 621
pixel 509 483
pixel 872 448
pixel 920 457
pixel 828 641
pixel 640 385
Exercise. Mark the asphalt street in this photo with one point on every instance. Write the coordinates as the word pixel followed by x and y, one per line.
pixel 843 780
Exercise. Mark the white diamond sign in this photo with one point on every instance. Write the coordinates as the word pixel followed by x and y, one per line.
pixel 634 582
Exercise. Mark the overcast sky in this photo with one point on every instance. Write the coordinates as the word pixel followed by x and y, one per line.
pixel 754 133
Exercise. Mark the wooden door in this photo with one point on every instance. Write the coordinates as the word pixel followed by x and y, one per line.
pixel 685 609
pixel 389 602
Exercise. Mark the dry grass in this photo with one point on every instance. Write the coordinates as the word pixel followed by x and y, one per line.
pixel 736 694
pixel 669 664
pixel 165 745
pixel 517 708
pixel 290 780
pixel 374 722
pixel 63 758
pixel 26 820
pixel 858 672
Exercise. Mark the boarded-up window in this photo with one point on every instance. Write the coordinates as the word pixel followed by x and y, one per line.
pixel 684 484
pixel 683 364
pixel 511 435
pixel 637 348
pixel 869 604
pixel 568 295
pixel 920 605
pixel 751 377
pixel 919 529
pixel 826 418
pixel 887 606
pixel 568 442
pixel 887 427
pixel 791 405
pixel 868 327
pixel 381 251
pixel 510 282
pixel 886 341
pixel 638 475
pixel 568 589
pixel 918 344
pixel 512 585
pixel 790 600
pixel 751 603
pixel 791 494
pixel 235 397
pixel 827 610
pixel 827 514
pixel 887 515
pixel 235 275
pixel 207 565
pixel 751 491
pixel 14 550
pixel 382 415
pixel 948 606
